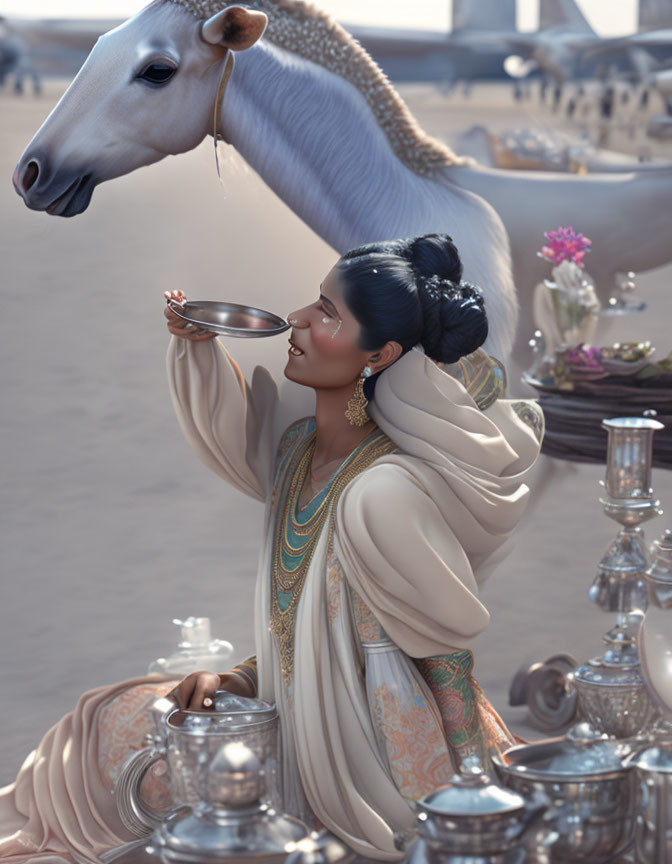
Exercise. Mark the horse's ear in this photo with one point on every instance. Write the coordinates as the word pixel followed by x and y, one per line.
pixel 235 27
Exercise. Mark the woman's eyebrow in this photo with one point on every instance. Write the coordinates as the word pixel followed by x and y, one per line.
pixel 327 302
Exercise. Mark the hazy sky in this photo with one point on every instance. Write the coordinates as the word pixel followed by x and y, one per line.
pixel 608 17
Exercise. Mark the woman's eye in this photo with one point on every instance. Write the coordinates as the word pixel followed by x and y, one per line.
pixel 157 73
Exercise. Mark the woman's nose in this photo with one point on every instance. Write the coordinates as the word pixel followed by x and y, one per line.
pixel 296 319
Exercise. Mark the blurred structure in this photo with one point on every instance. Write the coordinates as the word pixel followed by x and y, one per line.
pixel 475 49
pixel 15 59
pixel 563 13
pixel 655 14
pixel 556 49
pixel 59 47
pixel 487 15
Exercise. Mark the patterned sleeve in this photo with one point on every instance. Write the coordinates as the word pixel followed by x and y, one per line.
pixel 471 725
pixel 406 721
pixel 404 706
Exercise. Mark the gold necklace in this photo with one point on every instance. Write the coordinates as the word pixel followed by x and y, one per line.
pixel 296 539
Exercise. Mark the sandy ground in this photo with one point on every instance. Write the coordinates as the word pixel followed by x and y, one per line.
pixel 110 527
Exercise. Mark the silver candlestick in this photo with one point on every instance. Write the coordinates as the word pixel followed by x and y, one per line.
pixel 612 692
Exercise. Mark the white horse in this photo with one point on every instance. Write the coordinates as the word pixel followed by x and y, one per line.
pixel 309 110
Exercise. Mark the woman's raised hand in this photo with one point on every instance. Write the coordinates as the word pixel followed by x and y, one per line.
pixel 178 326
pixel 192 692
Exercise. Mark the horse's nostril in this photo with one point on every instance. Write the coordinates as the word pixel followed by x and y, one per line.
pixel 30 176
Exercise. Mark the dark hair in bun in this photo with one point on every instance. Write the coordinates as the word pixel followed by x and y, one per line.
pixel 410 291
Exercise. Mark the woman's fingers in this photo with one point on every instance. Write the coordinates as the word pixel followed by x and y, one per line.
pixel 183 692
pixel 178 326
pixel 193 335
pixel 206 686
pixel 174 319
pixel 177 294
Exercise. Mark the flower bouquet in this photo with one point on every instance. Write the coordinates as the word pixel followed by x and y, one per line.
pixel 565 308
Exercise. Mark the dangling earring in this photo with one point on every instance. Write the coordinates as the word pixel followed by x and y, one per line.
pixel 356 412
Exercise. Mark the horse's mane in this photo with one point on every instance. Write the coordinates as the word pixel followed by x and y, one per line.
pixel 303 29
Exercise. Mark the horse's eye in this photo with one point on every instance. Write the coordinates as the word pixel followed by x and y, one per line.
pixel 157 73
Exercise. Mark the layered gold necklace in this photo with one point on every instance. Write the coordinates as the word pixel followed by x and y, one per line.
pixel 298 531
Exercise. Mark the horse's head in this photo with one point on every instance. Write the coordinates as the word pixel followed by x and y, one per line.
pixel 147 90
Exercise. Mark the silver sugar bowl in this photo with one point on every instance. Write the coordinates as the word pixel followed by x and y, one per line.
pixel 191 742
pixel 472 820
pixel 594 796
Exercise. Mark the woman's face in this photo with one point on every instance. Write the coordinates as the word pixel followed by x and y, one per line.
pixel 324 347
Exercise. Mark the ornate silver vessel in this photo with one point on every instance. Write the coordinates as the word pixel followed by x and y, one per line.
pixel 230 823
pixel 190 742
pixel 653 834
pixel 594 797
pixel 224 783
pixel 472 820
pixel 612 692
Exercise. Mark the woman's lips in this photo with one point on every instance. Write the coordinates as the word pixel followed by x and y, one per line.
pixel 294 350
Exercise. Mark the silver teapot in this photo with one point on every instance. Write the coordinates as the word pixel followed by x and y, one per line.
pixel 472 820
pixel 232 825
pixel 189 742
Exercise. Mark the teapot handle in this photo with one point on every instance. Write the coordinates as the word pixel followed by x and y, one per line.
pixel 137 817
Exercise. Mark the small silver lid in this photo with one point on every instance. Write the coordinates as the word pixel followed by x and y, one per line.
pixel 596 672
pixel 230 713
pixel 657 760
pixel 471 795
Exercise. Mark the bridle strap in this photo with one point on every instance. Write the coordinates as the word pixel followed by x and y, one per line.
pixel 226 75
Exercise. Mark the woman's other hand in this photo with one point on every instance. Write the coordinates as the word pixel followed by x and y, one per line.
pixel 192 692
pixel 178 326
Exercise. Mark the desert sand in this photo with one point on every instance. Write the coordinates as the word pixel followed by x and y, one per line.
pixel 110 526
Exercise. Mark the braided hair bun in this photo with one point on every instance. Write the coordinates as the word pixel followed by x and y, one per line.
pixel 454 322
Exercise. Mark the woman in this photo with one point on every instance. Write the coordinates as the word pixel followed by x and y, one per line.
pixel 380 511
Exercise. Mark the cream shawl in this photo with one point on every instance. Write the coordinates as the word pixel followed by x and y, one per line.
pixel 410 535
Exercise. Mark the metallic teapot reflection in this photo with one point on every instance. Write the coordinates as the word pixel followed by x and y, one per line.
pixel 472 819
pixel 190 743
pixel 232 824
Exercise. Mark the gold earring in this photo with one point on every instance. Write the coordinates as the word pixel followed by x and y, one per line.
pixel 356 412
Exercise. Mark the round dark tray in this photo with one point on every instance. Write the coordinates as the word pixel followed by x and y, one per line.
pixel 574 419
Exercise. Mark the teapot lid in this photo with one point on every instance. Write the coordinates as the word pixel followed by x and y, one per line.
pixel 230 713
pixel 471 794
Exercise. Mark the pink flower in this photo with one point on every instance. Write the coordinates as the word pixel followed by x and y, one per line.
pixel 565 244
pixel 584 362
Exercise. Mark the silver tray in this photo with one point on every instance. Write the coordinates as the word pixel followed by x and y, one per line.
pixel 229 319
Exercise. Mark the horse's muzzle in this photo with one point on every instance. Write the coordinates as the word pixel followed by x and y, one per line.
pixel 63 193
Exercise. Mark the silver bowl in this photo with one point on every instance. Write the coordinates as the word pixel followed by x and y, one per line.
pixel 594 797
pixel 229 319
